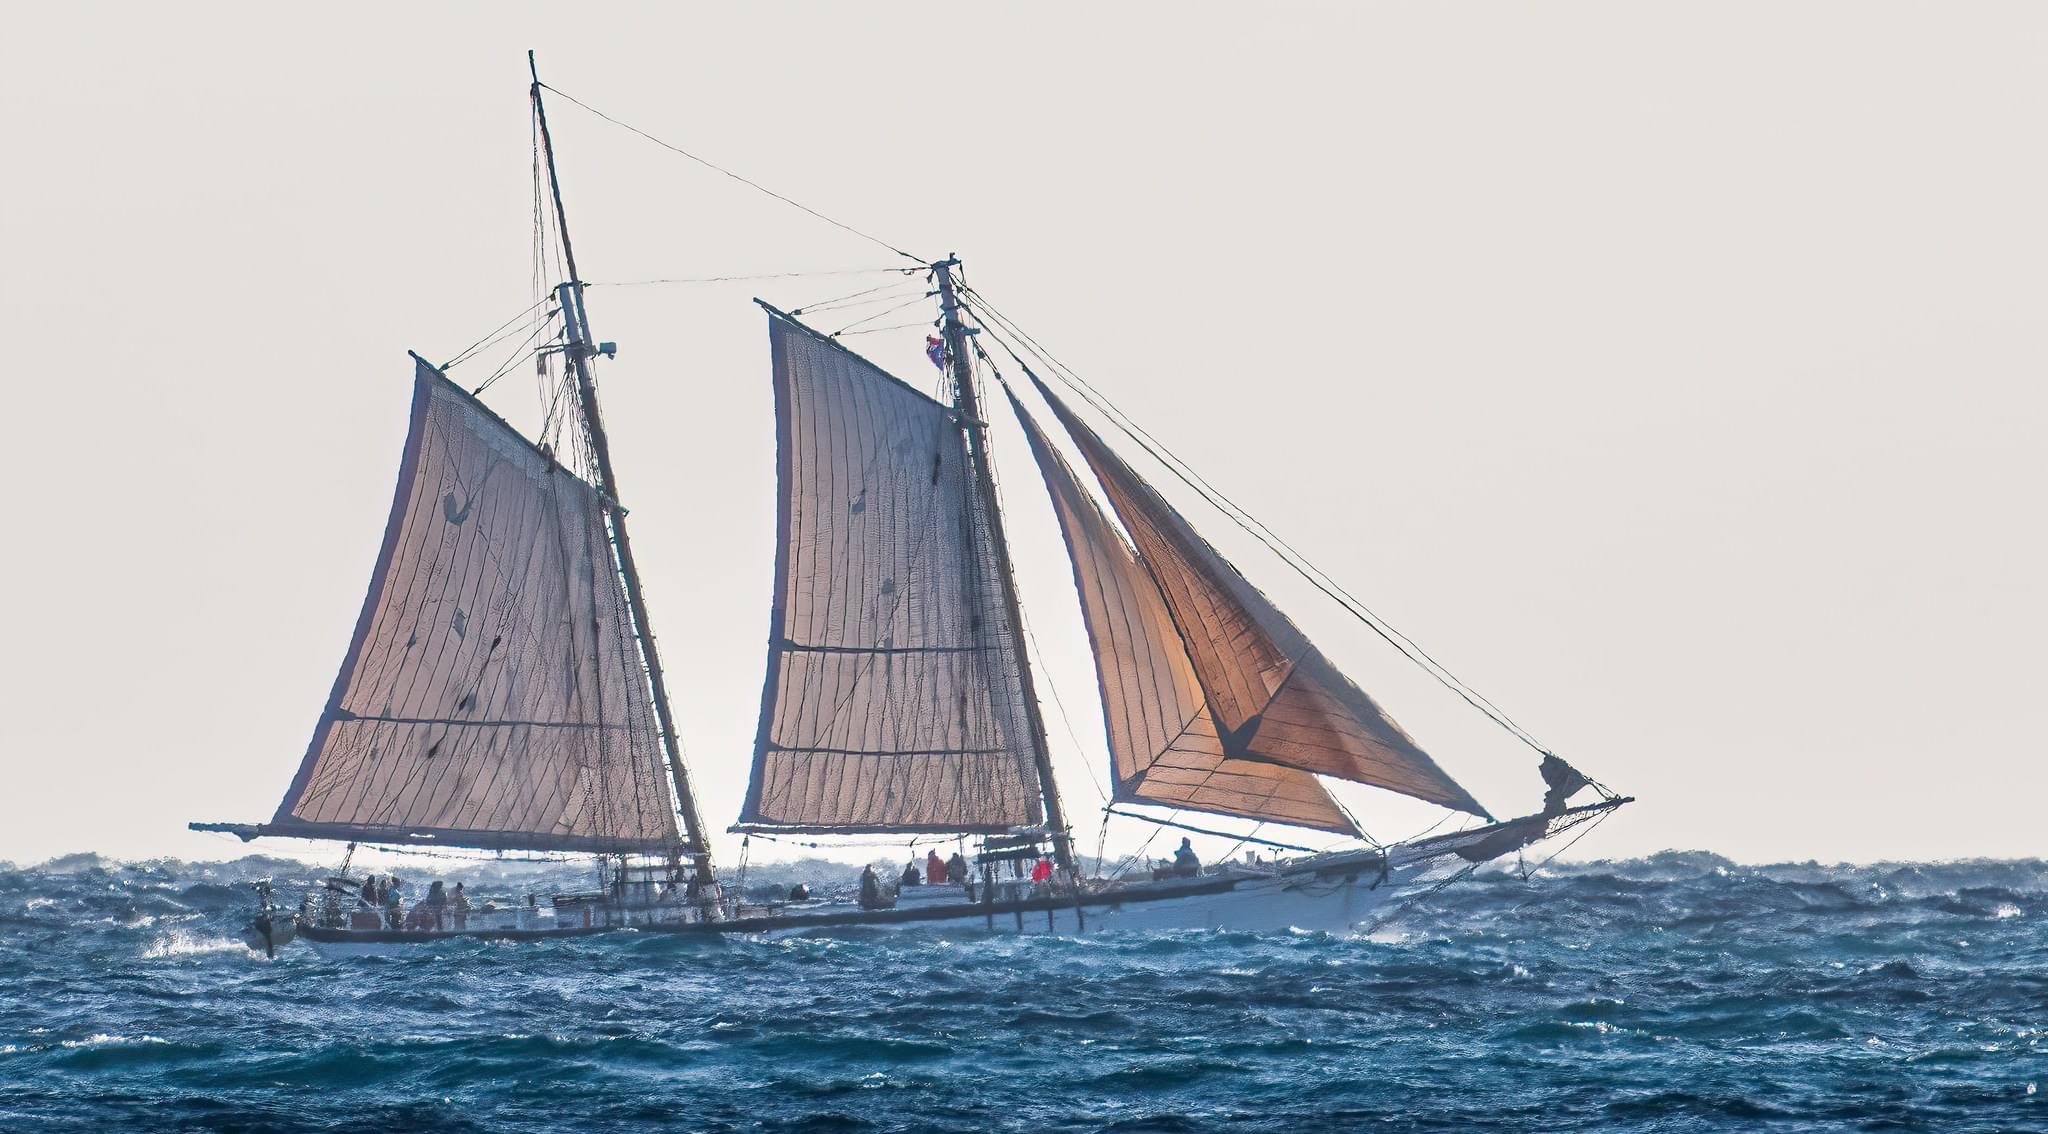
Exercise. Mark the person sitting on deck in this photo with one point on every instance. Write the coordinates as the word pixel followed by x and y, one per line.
pixel 1041 872
pixel 368 895
pixel 910 875
pixel 458 907
pixel 1185 864
pixel 870 888
pixel 421 919
pixel 934 868
pixel 956 869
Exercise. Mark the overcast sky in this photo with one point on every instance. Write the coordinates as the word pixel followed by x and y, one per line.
pixel 1674 373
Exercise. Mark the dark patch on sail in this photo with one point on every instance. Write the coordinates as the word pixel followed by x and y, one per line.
pixel 1237 742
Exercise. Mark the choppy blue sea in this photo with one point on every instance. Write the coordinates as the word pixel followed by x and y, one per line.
pixel 1676 993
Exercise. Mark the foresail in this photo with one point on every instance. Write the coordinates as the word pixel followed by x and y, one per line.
pixel 1164 748
pixel 493 695
pixel 1274 696
pixel 893 699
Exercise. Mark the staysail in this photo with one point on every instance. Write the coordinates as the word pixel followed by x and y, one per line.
pixel 893 701
pixel 493 695
pixel 1273 696
pixel 1164 748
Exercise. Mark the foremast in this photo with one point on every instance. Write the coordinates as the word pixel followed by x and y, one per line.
pixel 967 399
pixel 579 349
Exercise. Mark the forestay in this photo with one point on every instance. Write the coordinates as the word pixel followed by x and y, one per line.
pixel 893 700
pixel 1164 748
pixel 1273 695
pixel 493 695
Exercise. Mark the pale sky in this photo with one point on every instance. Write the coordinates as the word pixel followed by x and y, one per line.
pixel 1673 373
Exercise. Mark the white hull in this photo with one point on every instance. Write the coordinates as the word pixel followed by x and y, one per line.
pixel 1332 893
pixel 344 950
pixel 1254 903
pixel 1264 905
pixel 1240 901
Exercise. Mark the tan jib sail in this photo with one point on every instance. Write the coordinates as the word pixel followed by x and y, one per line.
pixel 494 694
pixel 1273 695
pixel 1164 748
pixel 893 699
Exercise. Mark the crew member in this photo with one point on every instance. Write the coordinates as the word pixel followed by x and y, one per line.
pixel 1185 864
pixel 437 901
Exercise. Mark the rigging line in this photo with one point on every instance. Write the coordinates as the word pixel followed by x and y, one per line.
pixel 1066 720
pixel 517 356
pixel 1360 827
pixel 1406 646
pixel 1101 841
pixel 1380 922
pixel 742 279
pixel 1136 856
pixel 1427 831
pixel 891 327
pixel 854 299
pixel 878 315
pixel 1249 836
pixel 503 329
pixel 553 420
pixel 1590 827
pixel 755 185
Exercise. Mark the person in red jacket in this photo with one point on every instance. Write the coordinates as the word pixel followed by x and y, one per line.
pixel 934 868
pixel 1042 872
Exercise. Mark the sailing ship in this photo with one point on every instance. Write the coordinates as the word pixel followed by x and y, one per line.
pixel 503 690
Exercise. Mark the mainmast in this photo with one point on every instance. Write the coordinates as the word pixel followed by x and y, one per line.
pixel 968 401
pixel 576 325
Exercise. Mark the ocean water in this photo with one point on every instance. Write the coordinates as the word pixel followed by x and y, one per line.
pixel 1675 993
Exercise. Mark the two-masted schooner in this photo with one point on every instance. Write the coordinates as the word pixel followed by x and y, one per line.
pixel 503 691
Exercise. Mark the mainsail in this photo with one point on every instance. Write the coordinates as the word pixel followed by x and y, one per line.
pixel 893 700
pixel 493 695
pixel 1273 696
pixel 1164 748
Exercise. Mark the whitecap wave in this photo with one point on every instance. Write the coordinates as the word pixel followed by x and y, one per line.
pixel 182 943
